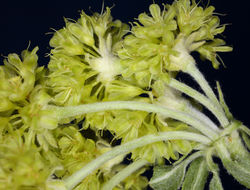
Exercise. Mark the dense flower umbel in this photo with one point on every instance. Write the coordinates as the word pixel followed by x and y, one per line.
pixel 107 85
pixel 162 41
pixel 92 72
pixel 17 79
pixel 22 166
pixel 83 58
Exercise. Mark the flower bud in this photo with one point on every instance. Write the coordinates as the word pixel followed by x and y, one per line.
pixel 30 59
pixel 18 76
pixel 155 11
pixel 145 19
pixel 83 34
pixel 5 104
pixel 64 42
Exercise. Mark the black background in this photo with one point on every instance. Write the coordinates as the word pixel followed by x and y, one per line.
pixel 24 21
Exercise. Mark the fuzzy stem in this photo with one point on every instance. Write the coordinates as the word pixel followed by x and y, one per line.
pixel 78 176
pixel 192 70
pixel 70 111
pixel 123 174
pixel 202 117
pixel 218 112
pixel 245 129
pixel 222 151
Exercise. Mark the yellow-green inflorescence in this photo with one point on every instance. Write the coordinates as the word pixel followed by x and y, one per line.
pixel 85 67
pixel 161 42
pixel 98 59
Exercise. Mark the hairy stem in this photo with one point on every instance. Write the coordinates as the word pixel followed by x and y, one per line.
pixel 123 174
pixel 65 112
pixel 77 177
pixel 199 78
pixel 218 112
pixel 245 129
pixel 202 117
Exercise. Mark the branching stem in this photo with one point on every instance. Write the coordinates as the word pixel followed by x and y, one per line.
pixel 192 70
pixel 78 176
pixel 123 174
pixel 70 111
pixel 218 112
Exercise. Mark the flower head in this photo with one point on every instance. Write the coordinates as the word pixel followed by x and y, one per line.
pixel 161 42
pixel 17 78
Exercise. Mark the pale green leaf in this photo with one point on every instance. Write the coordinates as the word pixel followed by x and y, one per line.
pixel 222 102
pixel 239 170
pixel 236 159
pixel 215 183
pixel 246 139
pixel 168 177
pixel 196 176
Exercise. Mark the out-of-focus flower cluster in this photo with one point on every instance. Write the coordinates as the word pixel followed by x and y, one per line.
pixel 36 148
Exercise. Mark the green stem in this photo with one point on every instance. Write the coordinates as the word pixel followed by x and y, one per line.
pixel 70 111
pixel 218 112
pixel 202 117
pixel 192 70
pixel 222 151
pixel 245 129
pixel 209 159
pixel 234 125
pixel 77 177
pixel 123 174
